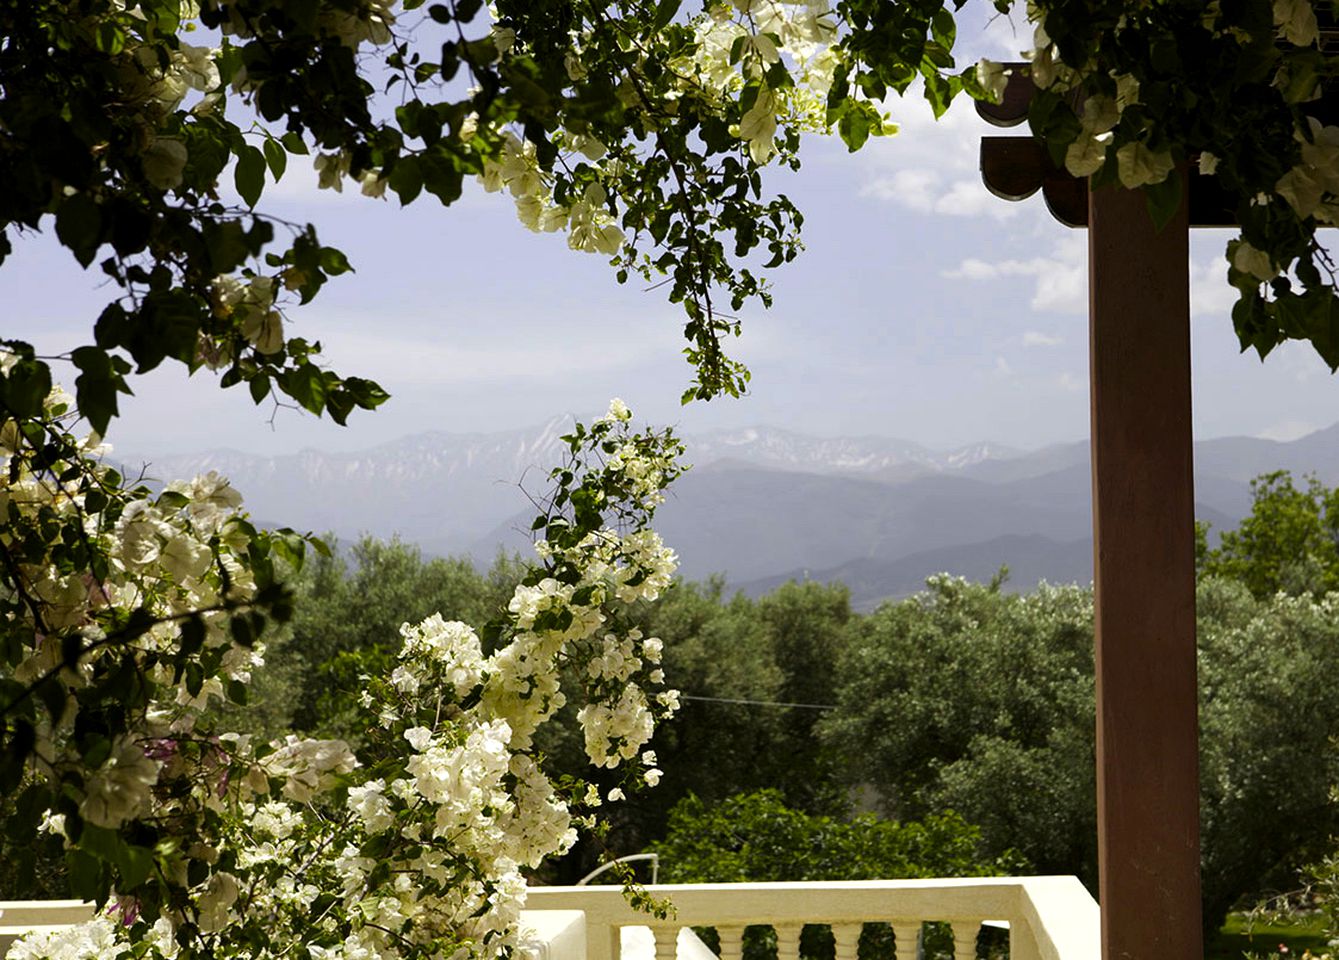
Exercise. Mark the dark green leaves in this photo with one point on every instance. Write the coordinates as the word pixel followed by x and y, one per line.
pixel 1164 199
pixel 24 387
pixel 101 378
pixel 249 175
pixel 79 226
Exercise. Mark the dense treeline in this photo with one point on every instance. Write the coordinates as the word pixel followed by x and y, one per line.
pixel 964 699
pixel 961 718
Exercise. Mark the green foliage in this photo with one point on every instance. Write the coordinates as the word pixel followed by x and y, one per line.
pixel 1268 758
pixel 970 699
pixel 755 837
pixel 1289 543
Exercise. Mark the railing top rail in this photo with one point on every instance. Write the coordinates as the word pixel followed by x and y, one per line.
pixel 853 901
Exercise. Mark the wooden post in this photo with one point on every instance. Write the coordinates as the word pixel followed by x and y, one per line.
pixel 1143 519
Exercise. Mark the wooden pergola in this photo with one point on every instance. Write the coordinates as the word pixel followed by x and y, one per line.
pixel 1143 535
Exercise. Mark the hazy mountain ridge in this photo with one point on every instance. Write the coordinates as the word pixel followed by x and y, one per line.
pixel 763 505
pixel 864 456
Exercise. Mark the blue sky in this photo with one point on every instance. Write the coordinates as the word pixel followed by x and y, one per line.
pixel 923 308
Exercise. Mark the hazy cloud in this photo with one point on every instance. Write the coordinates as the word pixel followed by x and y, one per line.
pixel 1210 293
pixel 1060 280
pixel 1070 383
pixel 1035 338
pixel 930 166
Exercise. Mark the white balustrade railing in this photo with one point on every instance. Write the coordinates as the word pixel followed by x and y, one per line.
pixel 1049 918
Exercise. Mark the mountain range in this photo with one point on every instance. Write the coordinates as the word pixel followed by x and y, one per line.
pixel 761 506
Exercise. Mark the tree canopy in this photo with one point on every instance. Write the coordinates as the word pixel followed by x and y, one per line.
pixel 1289 542
pixel 642 128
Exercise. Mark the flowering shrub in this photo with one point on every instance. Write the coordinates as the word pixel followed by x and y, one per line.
pixel 417 847
pixel 125 613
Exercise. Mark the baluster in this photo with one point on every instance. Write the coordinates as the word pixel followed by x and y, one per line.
pixel 846 937
pixel 732 942
pixel 964 939
pixel 906 940
pixel 667 942
pixel 788 943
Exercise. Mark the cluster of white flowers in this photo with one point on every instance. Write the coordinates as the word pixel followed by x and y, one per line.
pixel 95 940
pixel 1137 164
pixel 591 227
pixel 169 555
pixel 419 851
pixel 799 33
pixel 249 303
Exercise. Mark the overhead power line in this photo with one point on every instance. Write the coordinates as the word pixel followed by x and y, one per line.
pixel 760 703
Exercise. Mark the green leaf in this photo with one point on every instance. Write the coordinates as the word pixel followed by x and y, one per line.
pixel 1164 199
pixel 97 386
pixel 249 176
pixel 854 125
pixel 25 387
pixel 79 226
pixel 665 11
pixel 294 143
pixel 277 158
pixel 406 179
pixel 305 384
pixel 943 28
pixel 334 262
pixel 135 864
pixel 88 877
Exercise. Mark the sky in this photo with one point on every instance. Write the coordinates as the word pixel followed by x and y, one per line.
pixel 923 308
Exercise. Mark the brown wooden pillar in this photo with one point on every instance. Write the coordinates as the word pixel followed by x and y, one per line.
pixel 1143 519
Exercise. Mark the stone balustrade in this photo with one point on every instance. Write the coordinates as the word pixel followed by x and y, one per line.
pixel 1048 918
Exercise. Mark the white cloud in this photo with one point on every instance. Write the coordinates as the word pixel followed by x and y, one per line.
pixel 1002 367
pixel 1210 293
pixel 916 189
pixel 1060 282
pixel 1070 383
pixel 931 166
pixel 1035 338
pixel 972 269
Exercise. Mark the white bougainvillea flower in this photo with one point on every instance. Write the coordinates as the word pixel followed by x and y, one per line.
pixel 1249 260
pixel 758 126
pixel 1139 166
pixel 993 77
pixel 1296 20
pixel 1086 155
pixel 164 162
